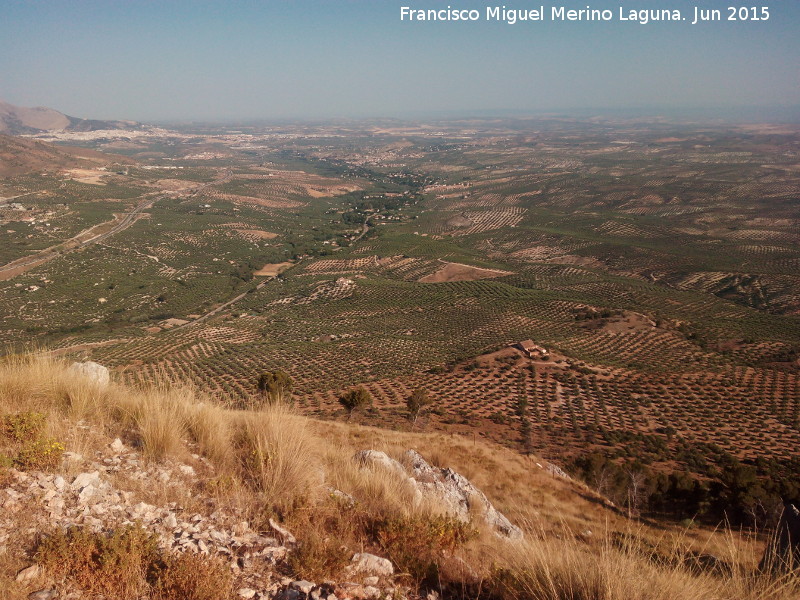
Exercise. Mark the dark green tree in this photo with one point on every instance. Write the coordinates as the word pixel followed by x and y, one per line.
pixel 276 387
pixel 354 400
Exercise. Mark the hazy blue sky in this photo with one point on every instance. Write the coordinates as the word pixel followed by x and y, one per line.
pixel 173 59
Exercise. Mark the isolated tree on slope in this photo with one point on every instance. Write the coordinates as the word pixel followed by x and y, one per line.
pixel 276 387
pixel 418 401
pixel 355 400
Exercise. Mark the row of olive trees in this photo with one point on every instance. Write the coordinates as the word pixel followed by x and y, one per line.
pixel 275 387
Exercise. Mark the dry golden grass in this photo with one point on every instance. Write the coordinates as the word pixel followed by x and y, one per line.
pixel 275 462
pixel 278 454
pixel 629 569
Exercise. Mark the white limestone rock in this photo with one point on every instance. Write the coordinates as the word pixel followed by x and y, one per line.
pixel 94 372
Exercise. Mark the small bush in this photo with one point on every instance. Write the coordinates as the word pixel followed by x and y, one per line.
pixel 126 564
pixel 21 427
pixel 416 545
pixel 115 564
pixel 40 454
pixel 24 445
pixel 325 535
pixel 277 454
pixel 192 577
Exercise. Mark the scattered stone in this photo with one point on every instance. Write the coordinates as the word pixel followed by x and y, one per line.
pixel 371 580
pixel 73 457
pixel 29 573
pixel 371 592
pixel 47 594
pixel 86 494
pixel 302 586
pixel 343 497
pixel 288 538
pixel 86 479
pixel 117 446
pixel 556 471
pixel 170 521
pixel 367 458
pixel 363 562
pixel 246 592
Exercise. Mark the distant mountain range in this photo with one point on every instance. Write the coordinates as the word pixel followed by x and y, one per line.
pixel 16 120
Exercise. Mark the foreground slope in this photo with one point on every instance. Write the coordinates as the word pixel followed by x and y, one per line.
pixel 252 503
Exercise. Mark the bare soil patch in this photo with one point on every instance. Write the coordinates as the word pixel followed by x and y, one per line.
pixel 268 203
pixel 264 235
pixel 173 322
pixel 175 185
pixel 629 322
pixel 458 221
pixel 92 176
pixel 459 272
pixel 579 261
pixel 272 269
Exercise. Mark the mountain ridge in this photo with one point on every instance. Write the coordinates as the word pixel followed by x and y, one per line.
pixel 20 120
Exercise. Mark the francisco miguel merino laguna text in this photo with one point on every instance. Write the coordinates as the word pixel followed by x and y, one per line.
pixel 562 13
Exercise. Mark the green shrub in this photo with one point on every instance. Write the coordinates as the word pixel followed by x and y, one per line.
pixel 354 400
pixel 25 447
pixel 39 454
pixel 22 426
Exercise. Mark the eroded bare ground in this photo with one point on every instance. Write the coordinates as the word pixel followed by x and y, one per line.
pixel 459 272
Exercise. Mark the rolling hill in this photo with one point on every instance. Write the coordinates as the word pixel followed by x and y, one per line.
pixel 16 120
pixel 19 156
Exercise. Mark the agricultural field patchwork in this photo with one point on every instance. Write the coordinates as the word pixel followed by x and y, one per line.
pixel 658 264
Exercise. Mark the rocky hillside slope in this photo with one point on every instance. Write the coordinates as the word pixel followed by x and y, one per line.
pixel 111 492
pixel 19 156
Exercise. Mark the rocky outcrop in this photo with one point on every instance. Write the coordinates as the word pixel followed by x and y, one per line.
pixel 372 458
pixel 557 471
pixel 453 492
pixel 94 372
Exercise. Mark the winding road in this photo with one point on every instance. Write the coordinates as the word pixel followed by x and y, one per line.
pixel 75 243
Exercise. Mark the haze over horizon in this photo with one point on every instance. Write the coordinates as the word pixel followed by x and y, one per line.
pixel 311 59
